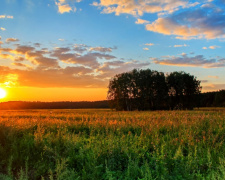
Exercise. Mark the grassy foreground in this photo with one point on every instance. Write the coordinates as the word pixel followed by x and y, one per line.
pixel 104 144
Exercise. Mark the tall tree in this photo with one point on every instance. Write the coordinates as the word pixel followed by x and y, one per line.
pixel 182 89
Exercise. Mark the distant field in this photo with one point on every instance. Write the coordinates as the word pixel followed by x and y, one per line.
pixel 104 144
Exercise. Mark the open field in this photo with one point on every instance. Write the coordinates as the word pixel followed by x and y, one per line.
pixel 105 144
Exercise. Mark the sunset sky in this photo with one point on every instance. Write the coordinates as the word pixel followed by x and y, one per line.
pixel 67 50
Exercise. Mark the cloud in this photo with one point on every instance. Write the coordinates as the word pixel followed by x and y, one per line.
pixel 211 47
pixel 6 17
pixel 212 87
pixel 12 40
pixel 192 24
pixel 214 47
pixel 3 29
pixel 89 59
pixel 6 56
pixel 80 48
pixel 21 65
pixel 204 81
pixel 19 59
pixel 62 77
pixel 22 53
pixel 63 8
pixel 183 19
pixel 138 8
pixel 214 77
pixel 141 21
pixel 66 6
pixel 37 44
pixel 149 44
pixel 146 49
pixel 195 61
pixel 184 45
pixel 70 76
pixel 21 49
pixel 109 69
pixel 100 49
pixel 36 66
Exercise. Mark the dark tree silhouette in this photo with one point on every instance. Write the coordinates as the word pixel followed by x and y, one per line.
pixel 183 88
pixel 151 90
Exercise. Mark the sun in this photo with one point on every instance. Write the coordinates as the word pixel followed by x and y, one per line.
pixel 2 93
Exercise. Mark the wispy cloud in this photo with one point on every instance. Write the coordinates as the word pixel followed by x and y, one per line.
pixel 180 45
pixel 149 44
pixel 211 47
pixel 213 77
pixel 109 69
pixel 12 40
pixel 214 47
pixel 212 87
pixel 141 21
pixel 195 61
pixel 6 17
pixel 101 49
pixel 3 29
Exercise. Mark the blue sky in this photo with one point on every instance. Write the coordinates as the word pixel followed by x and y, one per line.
pixel 83 43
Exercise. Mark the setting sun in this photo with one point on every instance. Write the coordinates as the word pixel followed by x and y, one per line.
pixel 2 93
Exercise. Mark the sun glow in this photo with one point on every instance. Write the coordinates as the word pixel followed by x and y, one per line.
pixel 2 93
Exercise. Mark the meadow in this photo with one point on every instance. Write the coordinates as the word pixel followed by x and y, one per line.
pixel 105 144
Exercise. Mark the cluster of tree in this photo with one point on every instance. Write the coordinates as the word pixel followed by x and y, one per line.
pixel 212 99
pixel 53 105
pixel 153 90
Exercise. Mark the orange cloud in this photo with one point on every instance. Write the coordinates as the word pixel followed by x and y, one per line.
pixel 12 40
pixel 65 67
pixel 66 6
pixel 169 27
pixel 192 24
pixel 214 77
pixel 138 8
pixel 149 44
pixel 214 47
pixel 212 87
pixel 180 45
pixel 141 21
pixel 63 8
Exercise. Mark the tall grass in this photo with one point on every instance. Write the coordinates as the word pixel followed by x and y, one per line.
pixel 104 144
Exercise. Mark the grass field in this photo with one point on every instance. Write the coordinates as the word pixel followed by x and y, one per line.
pixel 105 144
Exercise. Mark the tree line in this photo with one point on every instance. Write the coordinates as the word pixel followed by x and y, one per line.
pixel 212 99
pixel 153 90
pixel 53 105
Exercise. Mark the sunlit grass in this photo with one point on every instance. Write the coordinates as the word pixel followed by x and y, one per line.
pixel 105 144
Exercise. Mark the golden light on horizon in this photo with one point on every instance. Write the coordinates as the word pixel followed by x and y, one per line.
pixel 2 93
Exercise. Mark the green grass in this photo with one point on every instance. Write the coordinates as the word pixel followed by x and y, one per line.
pixel 104 144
